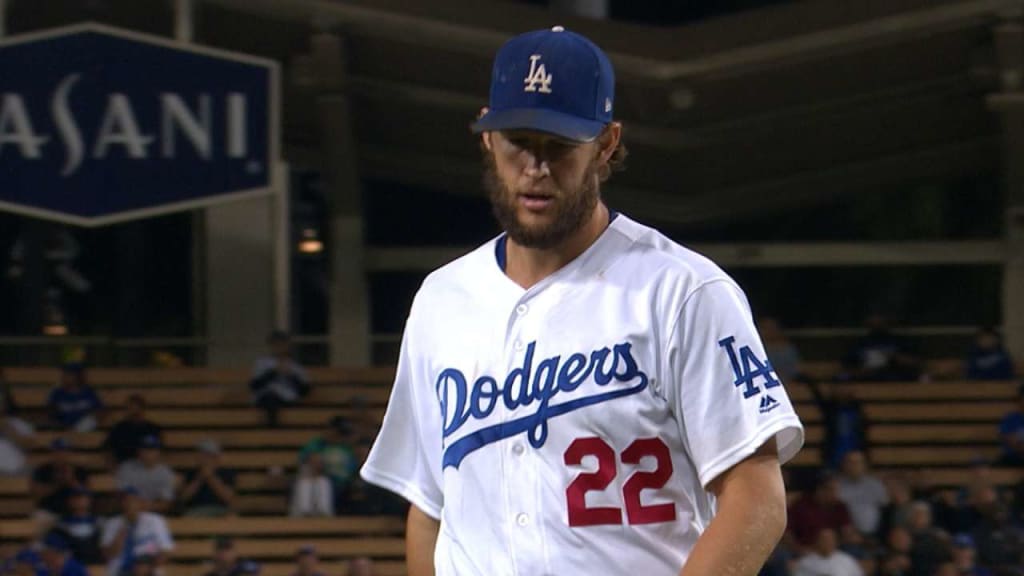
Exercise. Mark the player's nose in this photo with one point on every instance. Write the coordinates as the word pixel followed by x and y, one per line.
pixel 536 166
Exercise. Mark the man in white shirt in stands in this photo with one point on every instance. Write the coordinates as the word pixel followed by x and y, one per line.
pixel 134 534
pixel 826 559
pixel 150 476
pixel 863 493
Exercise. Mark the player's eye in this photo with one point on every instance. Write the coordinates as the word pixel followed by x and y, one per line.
pixel 519 143
pixel 557 149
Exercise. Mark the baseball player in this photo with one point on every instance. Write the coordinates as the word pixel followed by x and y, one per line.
pixel 580 395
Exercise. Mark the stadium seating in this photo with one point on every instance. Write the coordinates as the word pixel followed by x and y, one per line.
pixel 932 430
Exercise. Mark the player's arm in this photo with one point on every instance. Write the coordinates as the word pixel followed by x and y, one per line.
pixel 420 539
pixel 751 518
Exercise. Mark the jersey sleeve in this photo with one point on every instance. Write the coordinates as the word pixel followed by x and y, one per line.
pixel 727 399
pixel 406 455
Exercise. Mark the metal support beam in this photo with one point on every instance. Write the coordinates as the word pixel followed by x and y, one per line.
pixel 184 20
pixel 1009 105
pixel 416 28
pixel 282 248
pixel 348 301
pixel 828 255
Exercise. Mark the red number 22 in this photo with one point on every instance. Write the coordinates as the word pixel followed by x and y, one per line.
pixel 636 512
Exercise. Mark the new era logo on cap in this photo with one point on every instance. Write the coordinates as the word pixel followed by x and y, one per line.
pixel 553 81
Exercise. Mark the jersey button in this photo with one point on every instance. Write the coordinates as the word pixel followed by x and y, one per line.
pixel 518 344
pixel 522 519
pixel 521 309
pixel 518 449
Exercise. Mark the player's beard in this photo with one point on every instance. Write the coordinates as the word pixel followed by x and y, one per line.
pixel 572 208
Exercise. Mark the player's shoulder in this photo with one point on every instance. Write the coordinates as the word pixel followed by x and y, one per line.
pixel 654 255
pixel 463 276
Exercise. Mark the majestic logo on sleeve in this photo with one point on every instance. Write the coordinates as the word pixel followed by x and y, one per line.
pixel 538 76
pixel 535 385
pixel 747 369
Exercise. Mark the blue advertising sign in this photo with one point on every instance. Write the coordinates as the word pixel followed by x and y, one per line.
pixel 101 125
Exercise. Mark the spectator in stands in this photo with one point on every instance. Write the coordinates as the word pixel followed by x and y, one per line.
pixel 930 545
pixel 57 558
pixel 818 510
pixel 898 543
pixel 278 380
pixel 81 528
pixel 981 497
pixel 337 451
pixel 1011 433
pixel 880 355
pixel 964 557
pixel 845 422
pixel 312 494
pixel 209 489
pixel 16 435
pixel 54 481
pixel 988 359
pixel 782 354
pixel 948 511
pixel 901 498
pixel 998 542
pixel 74 405
pixel 249 568
pixel 225 558
pixel 307 563
pixel 133 534
pixel 149 476
pixel 863 493
pixel 826 558
pixel 124 438
pixel 360 566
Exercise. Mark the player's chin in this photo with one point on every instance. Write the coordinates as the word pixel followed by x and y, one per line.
pixel 536 222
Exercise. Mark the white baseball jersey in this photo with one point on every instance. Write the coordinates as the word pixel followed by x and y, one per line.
pixel 571 428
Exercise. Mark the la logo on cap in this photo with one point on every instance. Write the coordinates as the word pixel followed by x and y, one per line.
pixel 537 76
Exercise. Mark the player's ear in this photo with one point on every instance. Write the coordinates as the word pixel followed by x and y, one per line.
pixel 609 140
pixel 485 137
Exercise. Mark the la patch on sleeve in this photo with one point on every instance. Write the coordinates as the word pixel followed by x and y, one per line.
pixel 747 369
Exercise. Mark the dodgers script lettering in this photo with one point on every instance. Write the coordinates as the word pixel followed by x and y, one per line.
pixel 531 388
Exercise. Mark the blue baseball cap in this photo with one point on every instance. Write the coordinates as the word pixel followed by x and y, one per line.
pixel 552 81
